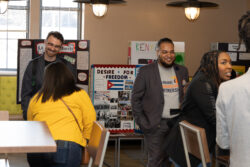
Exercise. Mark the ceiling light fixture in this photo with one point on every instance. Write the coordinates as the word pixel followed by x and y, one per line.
pixel 3 6
pixel 99 7
pixel 192 7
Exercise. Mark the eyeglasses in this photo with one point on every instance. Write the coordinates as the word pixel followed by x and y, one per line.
pixel 55 46
pixel 166 52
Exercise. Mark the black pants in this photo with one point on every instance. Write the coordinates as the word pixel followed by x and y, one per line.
pixel 154 142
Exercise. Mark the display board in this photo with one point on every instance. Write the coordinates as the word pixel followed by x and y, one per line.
pixel 144 52
pixel 111 87
pixel 74 51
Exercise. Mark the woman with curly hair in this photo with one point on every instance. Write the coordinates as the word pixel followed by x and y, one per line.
pixel 198 106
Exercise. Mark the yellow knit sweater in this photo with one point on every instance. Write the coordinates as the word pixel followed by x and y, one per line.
pixel 60 121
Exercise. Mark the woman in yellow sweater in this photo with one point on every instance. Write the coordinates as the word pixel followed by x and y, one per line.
pixel 50 105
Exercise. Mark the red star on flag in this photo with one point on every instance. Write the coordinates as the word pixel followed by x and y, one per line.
pixel 109 85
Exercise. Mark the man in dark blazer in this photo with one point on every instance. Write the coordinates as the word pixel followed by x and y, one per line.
pixel 156 98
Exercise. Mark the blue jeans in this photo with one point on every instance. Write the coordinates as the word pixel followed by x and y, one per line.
pixel 69 154
pixel 200 165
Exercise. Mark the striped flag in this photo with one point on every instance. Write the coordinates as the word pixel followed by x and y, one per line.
pixel 115 85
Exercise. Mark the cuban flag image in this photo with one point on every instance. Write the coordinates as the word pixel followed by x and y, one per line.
pixel 115 85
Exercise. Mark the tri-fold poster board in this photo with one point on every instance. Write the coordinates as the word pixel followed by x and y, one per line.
pixel 111 88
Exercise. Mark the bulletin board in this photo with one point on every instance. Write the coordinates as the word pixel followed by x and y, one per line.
pixel 74 51
pixel 144 52
pixel 111 88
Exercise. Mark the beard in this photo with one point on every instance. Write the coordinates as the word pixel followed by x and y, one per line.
pixel 164 64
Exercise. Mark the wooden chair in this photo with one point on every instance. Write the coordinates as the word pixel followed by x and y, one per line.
pixel 194 142
pixel 97 144
pixel 4 115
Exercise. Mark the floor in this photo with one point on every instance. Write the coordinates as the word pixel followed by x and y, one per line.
pixel 131 156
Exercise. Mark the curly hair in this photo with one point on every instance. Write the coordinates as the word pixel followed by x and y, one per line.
pixel 209 66
pixel 244 30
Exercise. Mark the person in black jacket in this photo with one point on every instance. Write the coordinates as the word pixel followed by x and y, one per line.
pixel 198 106
pixel 33 75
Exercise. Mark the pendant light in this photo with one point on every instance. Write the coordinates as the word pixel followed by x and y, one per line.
pixel 3 6
pixel 100 7
pixel 192 7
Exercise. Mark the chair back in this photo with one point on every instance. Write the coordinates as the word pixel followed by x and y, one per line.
pixel 4 115
pixel 97 144
pixel 194 142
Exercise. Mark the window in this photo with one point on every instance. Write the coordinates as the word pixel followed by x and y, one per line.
pixel 56 15
pixel 60 15
pixel 13 25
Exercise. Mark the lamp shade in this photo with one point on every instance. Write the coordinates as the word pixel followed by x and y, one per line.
pixel 192 7
pixel 192 13
pixel 99 9
pixel 3 6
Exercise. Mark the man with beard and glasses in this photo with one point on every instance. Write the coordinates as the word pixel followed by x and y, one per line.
pixel 33 75
pixel 156 99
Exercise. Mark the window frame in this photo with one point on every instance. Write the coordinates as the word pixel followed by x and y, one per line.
pixel 31 32
pixel 13 71
pixel 79 10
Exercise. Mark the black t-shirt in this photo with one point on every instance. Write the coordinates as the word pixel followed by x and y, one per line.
pixel 48 62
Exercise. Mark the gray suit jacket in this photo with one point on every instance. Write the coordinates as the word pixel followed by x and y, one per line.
pixel 147 95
